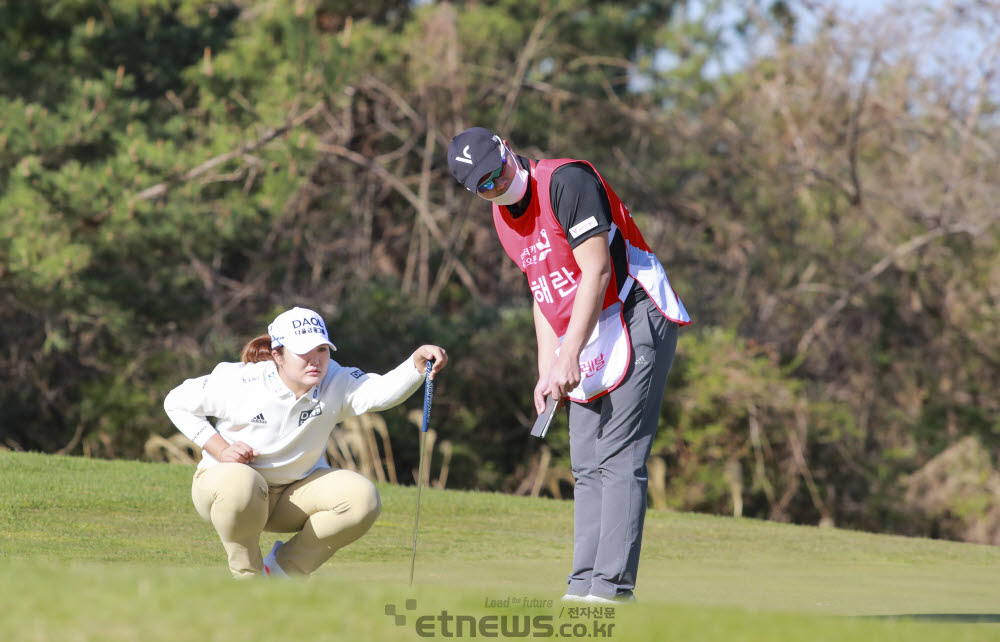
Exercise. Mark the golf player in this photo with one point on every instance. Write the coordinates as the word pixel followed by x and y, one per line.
pixel 606 322
pixel 264 465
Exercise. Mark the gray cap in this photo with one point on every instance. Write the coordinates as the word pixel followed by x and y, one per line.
pixel 473 154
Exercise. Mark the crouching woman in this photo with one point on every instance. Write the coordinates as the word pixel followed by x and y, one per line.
pixel 264 465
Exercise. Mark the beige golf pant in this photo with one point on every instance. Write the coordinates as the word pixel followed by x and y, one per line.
pixel 327 510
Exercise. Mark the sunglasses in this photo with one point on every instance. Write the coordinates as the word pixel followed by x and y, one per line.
pixel 487 183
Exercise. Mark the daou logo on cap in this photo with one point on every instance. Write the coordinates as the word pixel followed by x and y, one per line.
pixel 299 329
pixel 308 325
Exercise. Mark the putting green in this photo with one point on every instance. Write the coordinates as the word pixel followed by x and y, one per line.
pixel 98 550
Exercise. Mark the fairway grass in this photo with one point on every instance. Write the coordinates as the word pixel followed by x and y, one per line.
pixel 113 550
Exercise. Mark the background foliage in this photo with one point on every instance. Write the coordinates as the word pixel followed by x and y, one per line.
pixel 823 195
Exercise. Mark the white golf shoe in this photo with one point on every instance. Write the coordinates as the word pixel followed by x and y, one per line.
pixel 594 599
pixel 569 597
pixel 271 567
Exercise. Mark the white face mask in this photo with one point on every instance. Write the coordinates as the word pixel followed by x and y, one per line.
pixel 518 187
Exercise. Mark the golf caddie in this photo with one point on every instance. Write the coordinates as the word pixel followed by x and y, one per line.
pixel 264 464
pixel 606 322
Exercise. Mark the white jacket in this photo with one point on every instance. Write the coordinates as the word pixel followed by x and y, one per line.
pixel 254 406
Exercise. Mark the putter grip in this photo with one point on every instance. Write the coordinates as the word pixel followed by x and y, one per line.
pixel 428 396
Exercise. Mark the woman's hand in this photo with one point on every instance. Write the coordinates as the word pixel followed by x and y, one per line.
pixel 240 453
pixel 237 453
pixel 426 353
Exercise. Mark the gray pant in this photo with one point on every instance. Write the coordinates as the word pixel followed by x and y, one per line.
pixel 610 439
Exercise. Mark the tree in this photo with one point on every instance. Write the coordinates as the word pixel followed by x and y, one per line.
pixel 175 173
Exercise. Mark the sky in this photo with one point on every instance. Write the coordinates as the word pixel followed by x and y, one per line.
pixel 944 35
pixel 959 31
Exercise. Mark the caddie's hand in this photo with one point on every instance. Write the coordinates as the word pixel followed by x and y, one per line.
pixel 564 375
pixel 427 353
pixel 239 453
pixel 541 392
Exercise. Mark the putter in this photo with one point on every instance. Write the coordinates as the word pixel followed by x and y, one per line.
pixel 428 395
pixel 545 419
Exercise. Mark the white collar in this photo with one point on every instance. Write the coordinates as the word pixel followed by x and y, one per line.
pixel 274 382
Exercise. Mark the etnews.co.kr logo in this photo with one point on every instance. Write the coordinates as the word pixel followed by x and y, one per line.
pixel 584 622
pixel 390 610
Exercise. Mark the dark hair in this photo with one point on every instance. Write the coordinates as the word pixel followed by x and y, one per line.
pixel 259 349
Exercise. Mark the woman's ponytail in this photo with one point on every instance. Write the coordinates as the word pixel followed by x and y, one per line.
pixel 259 349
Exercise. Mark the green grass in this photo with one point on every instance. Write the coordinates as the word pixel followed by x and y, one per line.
pixel 113 550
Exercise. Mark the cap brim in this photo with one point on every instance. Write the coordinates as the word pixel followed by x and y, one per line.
pixel 491 163
pixel 302 345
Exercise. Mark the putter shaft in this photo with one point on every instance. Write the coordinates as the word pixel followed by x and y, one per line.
pixel 428 396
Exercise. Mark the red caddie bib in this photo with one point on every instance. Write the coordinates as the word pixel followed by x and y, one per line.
pixel 537 244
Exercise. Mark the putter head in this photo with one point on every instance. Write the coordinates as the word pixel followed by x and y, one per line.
pixel 545 419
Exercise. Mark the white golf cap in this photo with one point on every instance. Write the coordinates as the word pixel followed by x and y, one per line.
pixel 300 330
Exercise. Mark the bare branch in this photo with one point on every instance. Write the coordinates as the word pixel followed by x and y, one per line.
pixel 422 207
pixel 917 242
pixel 517 81
pixel 161 189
